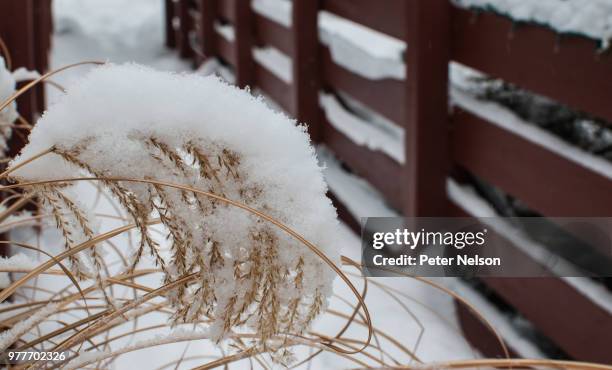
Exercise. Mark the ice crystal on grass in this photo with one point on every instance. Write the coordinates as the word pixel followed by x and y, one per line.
pixel 127 121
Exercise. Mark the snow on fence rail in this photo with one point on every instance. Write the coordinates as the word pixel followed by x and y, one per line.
pixel 567 68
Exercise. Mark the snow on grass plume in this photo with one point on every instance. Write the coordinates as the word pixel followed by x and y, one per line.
pixel 128 121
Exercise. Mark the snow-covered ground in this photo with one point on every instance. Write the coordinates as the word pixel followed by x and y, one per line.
pixel 109 30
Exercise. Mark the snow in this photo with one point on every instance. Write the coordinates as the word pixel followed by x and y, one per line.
pixel 591 18
pixel 89 30
pixel 275 61
pixel 362 50
pixel 225 30
pixel 102 21
pixel 276 10
pixel 23 74
pixel 17 262
pixel 212 66
pixel 361 132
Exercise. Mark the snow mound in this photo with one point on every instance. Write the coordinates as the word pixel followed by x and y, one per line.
pixel 137 23
pixel 129 121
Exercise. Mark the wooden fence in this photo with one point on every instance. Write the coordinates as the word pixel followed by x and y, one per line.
pixel 25 29
pixel 437 143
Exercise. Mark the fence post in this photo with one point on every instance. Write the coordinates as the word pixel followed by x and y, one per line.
pixel 18 33
pixel 427 57
pixel 243 42
pixel 182 35
pixel 169 24
pixel 43 29
pixel 306 78
pixel 206 29
pixel 17 30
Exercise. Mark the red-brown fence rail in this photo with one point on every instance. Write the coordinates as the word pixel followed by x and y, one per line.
pixel 437 33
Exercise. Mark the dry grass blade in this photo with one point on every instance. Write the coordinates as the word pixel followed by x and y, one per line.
pixel 8 291
pixel 64 269
pixel 445 290
pixel 21 164
pixel 15 207
pixel 4 294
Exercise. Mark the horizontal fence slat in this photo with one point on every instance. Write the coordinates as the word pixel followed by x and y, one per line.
pixel 268 32
pixel 377 168
pixel 205 32
pixel 546 181
pixel 226 50
pixel 566 69
pixel 185 27
pixel 274 87
pixel 383 96
pixel 383 15
pixel 226 9
pixel 582 328
pixel 169 23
